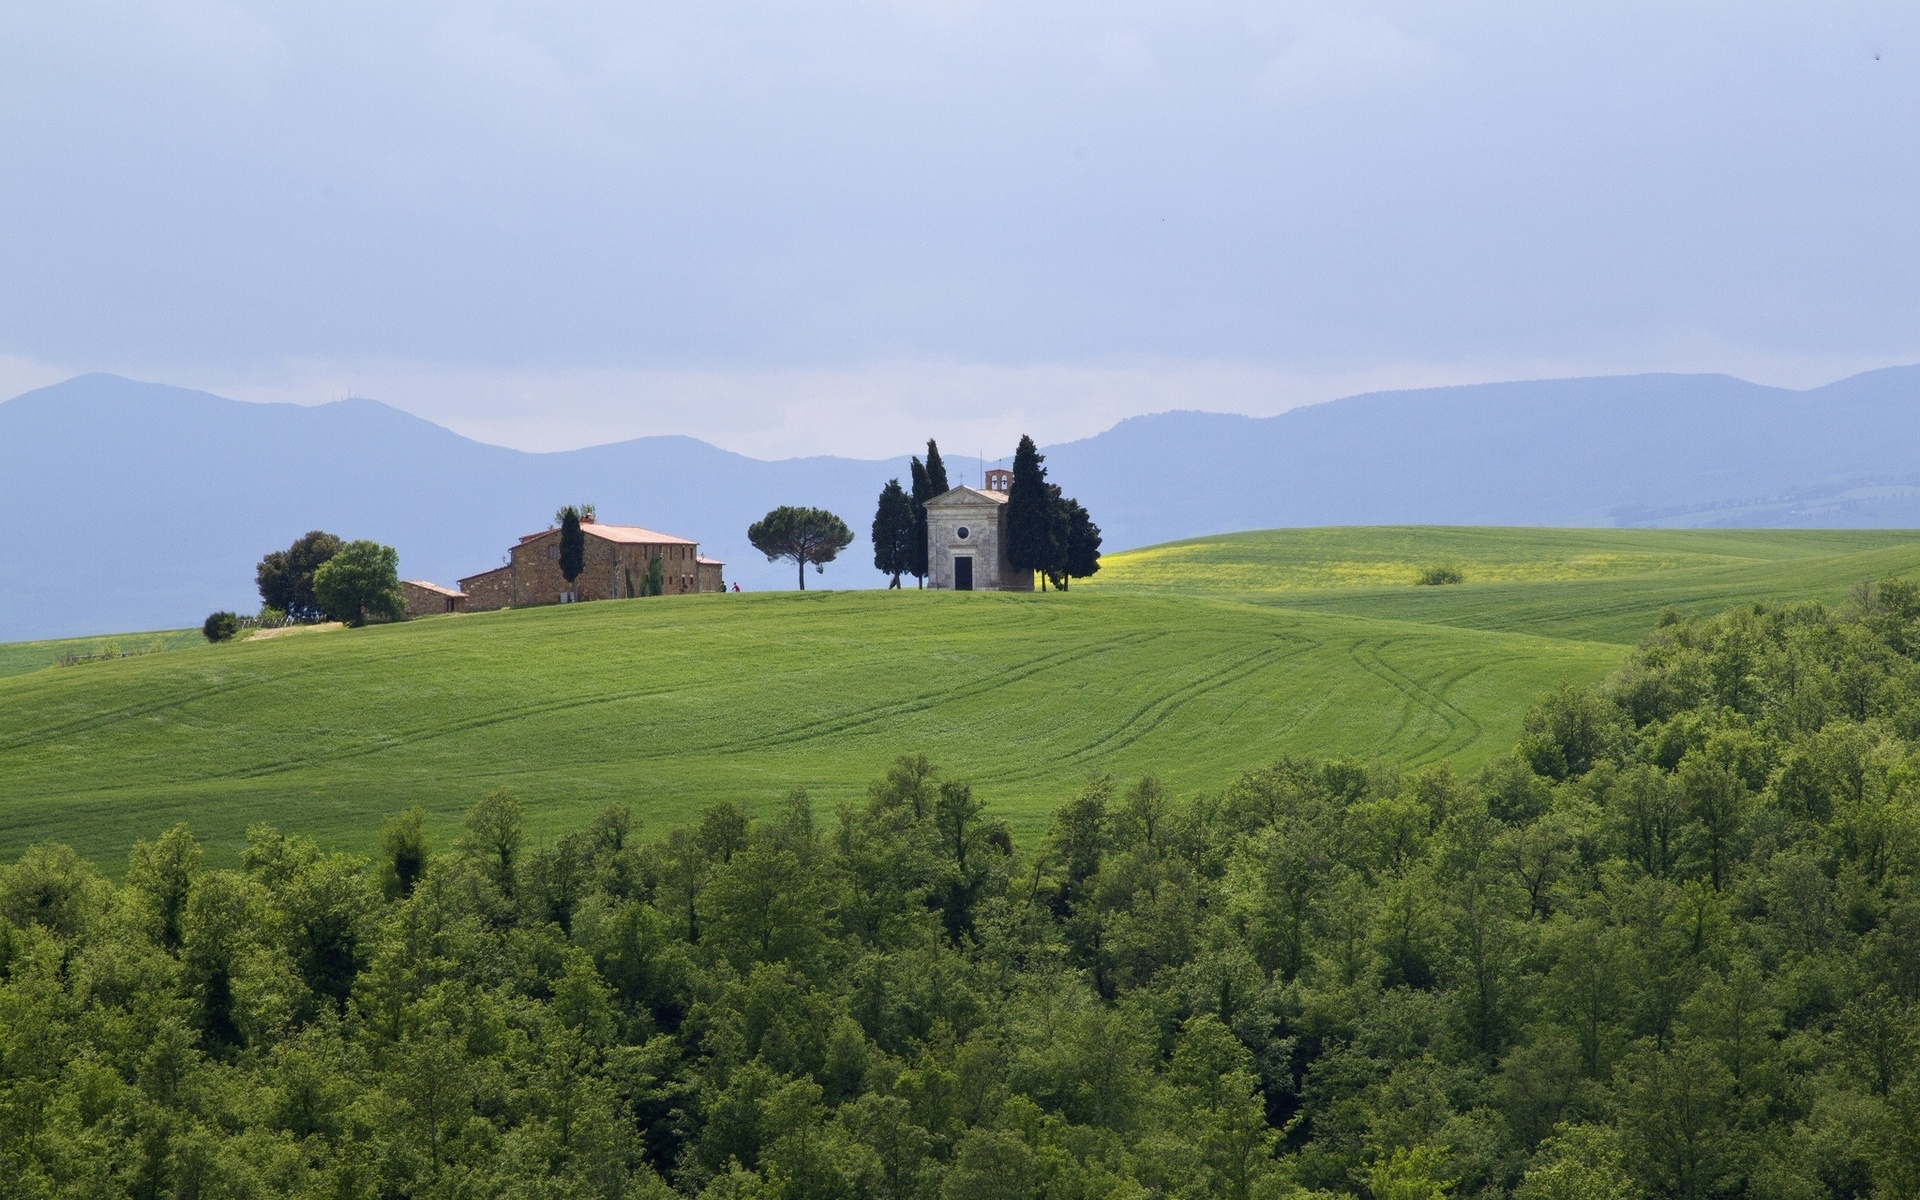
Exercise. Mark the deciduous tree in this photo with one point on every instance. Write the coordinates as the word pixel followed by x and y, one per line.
pixel 285 577
pixel 361 581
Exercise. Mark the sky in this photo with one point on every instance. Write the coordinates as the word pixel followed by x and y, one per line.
pixel 840 227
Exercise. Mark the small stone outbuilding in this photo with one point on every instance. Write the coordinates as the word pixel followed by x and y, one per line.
pixel 425 599
pixel 615 566
pixel 967 540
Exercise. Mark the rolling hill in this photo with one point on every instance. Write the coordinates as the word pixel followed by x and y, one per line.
pixel 130 505
pixel 1194 661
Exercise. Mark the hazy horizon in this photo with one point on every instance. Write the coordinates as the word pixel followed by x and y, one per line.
pixel 954 453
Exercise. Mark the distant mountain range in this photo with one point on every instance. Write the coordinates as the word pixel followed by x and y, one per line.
pixel 127 505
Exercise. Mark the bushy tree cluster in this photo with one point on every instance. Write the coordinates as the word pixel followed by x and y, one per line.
pixel 285 577
pixel 1668 948
pixel 1047 532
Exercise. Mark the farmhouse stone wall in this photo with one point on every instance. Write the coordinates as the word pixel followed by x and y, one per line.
pixel 489 589
pixel 426 600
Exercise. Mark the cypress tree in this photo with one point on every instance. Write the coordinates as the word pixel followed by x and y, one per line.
pixel 893 532
pixel 1029 511
pixel 1083 543
pixel 573 544
pixel 922 492
pixel 1059 526
pixel 936 472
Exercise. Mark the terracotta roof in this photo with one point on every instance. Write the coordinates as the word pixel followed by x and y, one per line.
pixel 632 534
pixel 710 562
pixel 466 579
pixel 433 587
pixel 971 492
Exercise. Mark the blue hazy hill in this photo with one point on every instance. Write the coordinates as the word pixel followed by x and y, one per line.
pixel 127 505
pixel 1693 450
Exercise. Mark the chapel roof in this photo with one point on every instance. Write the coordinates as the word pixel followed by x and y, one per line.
pixel 965 494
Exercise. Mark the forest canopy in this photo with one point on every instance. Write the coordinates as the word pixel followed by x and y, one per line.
pixel 1669 947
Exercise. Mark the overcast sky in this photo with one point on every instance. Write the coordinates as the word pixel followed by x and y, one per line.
pixel 839 227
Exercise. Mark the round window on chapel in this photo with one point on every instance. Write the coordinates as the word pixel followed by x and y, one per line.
pixel 962 531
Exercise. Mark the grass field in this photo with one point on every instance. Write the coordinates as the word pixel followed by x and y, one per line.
pixel 19 658
pixel 1605 585
pixel 1194 660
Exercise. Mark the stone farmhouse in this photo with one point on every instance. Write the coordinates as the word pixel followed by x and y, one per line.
pixel 616 559
pixel 967 539
pixel 427 599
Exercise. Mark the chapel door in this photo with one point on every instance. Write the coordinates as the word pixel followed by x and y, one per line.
pixel 962 574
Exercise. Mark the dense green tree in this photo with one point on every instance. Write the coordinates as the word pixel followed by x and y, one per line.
pixel 806 536
pixel 161 873
pixel 494 833
pixel 893 533
pixel 360 582
pixel 285 577
pixel 405 860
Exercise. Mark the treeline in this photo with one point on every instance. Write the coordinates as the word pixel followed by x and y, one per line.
pixel 1669 948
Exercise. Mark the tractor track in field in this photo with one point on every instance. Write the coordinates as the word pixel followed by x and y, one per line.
pixel 256 677
pixel 873 715
pixel 1150 716
pixel 838 723
pixel 1365 653
pixel 107 716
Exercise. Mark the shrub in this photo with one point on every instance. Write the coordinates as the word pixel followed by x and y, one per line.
pixel 221 627
pixel 1437 575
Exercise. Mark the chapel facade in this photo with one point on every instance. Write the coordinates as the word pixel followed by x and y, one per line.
pixel 967 539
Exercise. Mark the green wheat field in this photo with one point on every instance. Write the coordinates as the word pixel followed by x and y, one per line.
pixel 1194 660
